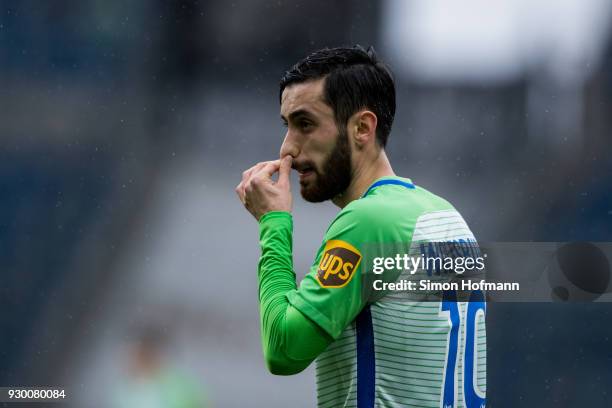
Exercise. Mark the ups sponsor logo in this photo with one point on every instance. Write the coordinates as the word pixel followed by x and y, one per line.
pixel 338 264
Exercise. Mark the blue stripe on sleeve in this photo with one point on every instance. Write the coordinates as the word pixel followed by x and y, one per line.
pixel 365 359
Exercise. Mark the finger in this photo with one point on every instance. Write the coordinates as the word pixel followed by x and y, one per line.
pixel 240 191
pixel 247 174
pixel 269 169
pixel 284 170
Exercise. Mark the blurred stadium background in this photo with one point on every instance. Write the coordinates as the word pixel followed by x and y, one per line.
pixel 124 127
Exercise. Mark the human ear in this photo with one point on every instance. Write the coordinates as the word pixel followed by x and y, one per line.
pixel 362 126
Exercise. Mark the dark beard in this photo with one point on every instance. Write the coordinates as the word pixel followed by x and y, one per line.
pixel 336 175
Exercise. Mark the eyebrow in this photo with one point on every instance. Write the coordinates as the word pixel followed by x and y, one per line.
pixel 296 114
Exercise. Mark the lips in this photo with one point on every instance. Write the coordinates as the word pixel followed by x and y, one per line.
pixel 305 175
pixel 304 170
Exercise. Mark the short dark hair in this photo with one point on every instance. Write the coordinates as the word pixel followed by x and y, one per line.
pixel 354 79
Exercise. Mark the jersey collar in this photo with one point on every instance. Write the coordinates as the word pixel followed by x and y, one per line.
pixel 399 181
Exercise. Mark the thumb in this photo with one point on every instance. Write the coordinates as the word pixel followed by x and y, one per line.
pixel 285 170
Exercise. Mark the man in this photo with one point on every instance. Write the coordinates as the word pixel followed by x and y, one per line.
pixel 151 380
pixel 372 349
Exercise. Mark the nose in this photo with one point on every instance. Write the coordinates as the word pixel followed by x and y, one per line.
pixel 289 146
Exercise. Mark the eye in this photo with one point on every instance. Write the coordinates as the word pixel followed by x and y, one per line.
pixel 305 125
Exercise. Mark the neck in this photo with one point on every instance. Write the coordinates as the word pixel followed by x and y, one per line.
pixel 364 175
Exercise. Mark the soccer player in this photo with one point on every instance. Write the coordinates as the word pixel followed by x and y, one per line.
pixel 371 349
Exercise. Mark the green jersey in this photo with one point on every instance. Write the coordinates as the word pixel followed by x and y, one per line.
pixel 388 351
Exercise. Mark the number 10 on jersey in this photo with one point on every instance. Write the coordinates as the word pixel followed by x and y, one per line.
pixel 472 396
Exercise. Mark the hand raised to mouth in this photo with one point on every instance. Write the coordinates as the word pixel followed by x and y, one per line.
pixel 260 194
